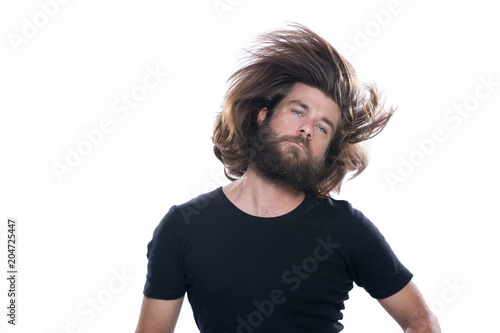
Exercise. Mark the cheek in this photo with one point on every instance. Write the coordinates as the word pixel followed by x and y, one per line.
pixel 319 148
pixel 282 125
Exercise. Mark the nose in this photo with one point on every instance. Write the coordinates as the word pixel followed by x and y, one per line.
pixel 306 130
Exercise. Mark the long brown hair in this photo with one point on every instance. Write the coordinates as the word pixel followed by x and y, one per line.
pixel 277 61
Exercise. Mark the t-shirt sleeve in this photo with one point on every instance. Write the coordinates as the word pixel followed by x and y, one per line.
pixel 374 265
pixel 165 278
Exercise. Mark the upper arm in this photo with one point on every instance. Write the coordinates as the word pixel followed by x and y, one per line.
pixel 408 308
pixel 158 315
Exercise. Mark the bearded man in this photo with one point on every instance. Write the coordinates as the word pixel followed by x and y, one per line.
pixel 273 251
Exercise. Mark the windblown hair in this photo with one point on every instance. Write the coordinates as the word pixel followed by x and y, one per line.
pixel 277 61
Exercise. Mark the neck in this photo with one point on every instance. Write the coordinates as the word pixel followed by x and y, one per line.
pixel 257 196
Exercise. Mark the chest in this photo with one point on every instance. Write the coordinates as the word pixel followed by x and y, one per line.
pixel 241 262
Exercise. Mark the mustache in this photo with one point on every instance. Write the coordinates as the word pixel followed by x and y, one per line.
pixel 298 139
pixel 267 134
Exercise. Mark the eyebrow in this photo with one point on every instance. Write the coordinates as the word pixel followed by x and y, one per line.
pixel 306 107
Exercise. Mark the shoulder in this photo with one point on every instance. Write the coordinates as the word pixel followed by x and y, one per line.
pixel 343 213
pixel 187 212
pixel 334 207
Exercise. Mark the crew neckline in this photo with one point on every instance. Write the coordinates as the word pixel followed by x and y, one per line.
pixel 297 210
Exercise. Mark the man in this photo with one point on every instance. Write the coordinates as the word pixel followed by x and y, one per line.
pixel 272 251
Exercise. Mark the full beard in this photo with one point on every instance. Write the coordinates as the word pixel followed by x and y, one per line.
pixel 283 163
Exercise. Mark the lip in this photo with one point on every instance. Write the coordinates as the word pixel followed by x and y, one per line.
pixel 298 144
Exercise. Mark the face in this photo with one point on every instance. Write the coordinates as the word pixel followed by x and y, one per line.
pixel 290 146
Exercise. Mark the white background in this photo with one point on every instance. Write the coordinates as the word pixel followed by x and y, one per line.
pixel 76 233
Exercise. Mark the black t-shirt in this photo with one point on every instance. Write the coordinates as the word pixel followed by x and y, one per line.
pixel 290 273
